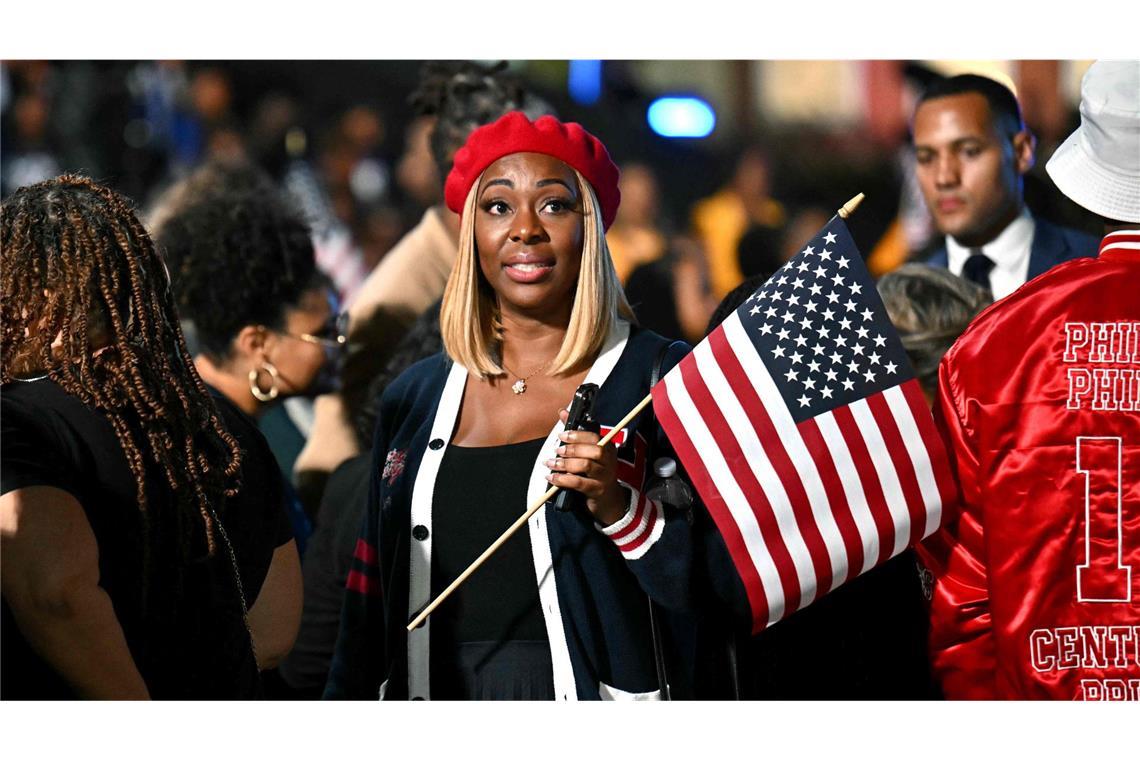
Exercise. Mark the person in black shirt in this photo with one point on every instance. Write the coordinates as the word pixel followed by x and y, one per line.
pixel 136 524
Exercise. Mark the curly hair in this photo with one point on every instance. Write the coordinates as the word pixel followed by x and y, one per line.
pixel 84 297
pixel 930 307
pixel 239 253
pixel 463 96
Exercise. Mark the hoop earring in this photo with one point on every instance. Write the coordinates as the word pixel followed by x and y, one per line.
pixel 255 389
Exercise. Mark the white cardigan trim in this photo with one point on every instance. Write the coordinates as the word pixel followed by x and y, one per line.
pixel 565 687
pixel 419 552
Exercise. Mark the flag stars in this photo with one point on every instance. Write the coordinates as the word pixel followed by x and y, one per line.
pixel 783 334
pixel 813 365
pixel 792 375
pixel 829 237
pixel 841 340
pixel 793 300
pixel 858 348
pixel 765 329
pixel 777 295
pixel 880 341
pixel 833 297
pixel 754 310
pixel 869 375
pixel 825 255
pixel 804 266
pixel 808 251
pixel 855 288
pixel 853 366
pixel 770 312
pixel 891 367
pixel 862 332
pixel 816 289
pixel 845 323
pixel 850 305
pixel 868 314
pixel 843 262
pixel 838 279
pixel 778 352
pixel 831 375
pixel 828 314
pixel 836 358
pixel 801 341
pixel 797 358
pixel 823 332
pixel 810 306
pixel 797 283
pixel 875 358
pixel 820 272
pixel 788 316
pixel 804 400
pixel 848 385
pixel 805 323
pixel 818 349
pixel 782 281
pixel 826 392
pixel 809 384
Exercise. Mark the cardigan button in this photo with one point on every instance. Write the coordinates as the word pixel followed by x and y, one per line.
pixel 420 533
pixel 436 444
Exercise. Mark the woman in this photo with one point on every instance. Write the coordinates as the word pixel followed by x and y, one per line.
pixel 466 439
pixel 131 518
pixel 265 319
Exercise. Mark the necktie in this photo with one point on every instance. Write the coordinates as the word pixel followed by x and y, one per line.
pixel 977 268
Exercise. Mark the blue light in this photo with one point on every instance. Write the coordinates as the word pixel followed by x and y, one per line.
pixel 585 81
pixel 681 117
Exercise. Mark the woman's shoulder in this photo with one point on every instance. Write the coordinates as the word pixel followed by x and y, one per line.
pixel 418 386
pixel 646 343
pixel 426 375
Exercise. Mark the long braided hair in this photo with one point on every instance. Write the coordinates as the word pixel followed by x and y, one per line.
pixel 85 299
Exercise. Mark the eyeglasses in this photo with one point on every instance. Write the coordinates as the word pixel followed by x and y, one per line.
pixel 333 334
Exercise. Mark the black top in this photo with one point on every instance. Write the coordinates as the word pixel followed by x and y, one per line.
pixel 325 571
pixel 488 640
pixel 187 636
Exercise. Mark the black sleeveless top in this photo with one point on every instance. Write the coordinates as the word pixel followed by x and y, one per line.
pixel 488 640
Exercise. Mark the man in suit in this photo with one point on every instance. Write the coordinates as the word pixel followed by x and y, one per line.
pixel 971 151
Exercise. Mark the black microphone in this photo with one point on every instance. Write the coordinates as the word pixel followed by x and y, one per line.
pixel 581 418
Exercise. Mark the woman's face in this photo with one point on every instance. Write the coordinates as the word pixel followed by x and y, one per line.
pixel 529 232
pixel 297 356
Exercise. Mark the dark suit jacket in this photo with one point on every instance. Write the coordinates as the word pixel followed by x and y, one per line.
pixel 1051 246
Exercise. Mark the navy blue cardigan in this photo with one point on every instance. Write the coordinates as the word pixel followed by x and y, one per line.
pixel 594 602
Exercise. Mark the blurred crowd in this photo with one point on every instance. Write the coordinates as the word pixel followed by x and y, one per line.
pixel 303 224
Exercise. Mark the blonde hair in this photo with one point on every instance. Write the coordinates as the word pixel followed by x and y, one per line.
pixel 469 319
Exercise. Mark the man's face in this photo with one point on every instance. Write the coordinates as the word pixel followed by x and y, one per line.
pixel 970 173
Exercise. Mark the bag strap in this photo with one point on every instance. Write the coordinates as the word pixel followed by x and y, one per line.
pixel 654 624
pixel 655 627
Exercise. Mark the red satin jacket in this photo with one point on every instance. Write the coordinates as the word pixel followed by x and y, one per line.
pixel 1037 576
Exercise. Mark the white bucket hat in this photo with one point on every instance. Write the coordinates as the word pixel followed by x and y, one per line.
pixel 1098 166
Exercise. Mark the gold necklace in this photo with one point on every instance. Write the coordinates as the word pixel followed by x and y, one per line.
pixel 520 385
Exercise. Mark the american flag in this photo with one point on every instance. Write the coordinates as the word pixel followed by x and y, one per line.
pixel 805 433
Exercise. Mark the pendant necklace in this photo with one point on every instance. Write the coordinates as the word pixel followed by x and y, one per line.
pixel 519 386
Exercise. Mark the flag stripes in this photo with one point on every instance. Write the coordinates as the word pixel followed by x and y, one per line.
pixel 803 507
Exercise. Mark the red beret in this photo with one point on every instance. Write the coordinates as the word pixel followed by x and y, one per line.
pixel 515 133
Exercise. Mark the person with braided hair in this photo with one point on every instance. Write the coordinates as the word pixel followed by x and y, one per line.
pixel 133 508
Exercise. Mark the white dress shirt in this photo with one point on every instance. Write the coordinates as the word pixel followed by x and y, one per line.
pixel 1009 251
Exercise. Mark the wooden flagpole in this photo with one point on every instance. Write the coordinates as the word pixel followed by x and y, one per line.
pixel 844 212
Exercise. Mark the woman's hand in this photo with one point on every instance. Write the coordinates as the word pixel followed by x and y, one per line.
pixel 584 466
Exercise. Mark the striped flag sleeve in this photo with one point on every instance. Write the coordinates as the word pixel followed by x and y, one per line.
pixel 805 433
